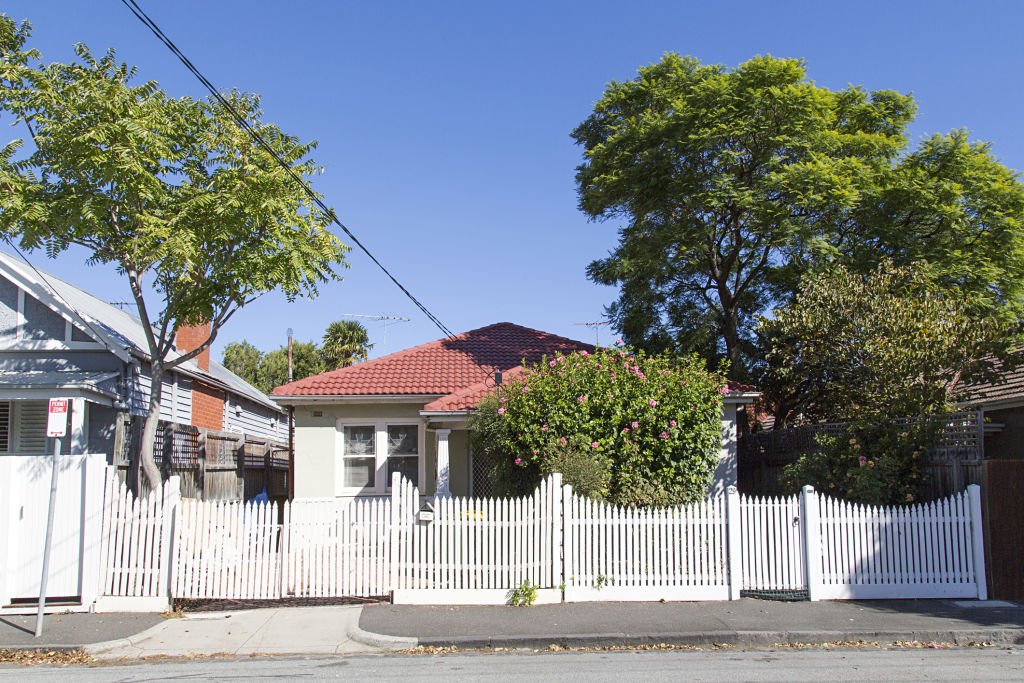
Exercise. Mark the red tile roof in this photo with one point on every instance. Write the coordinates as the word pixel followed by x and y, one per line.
pixel 467 398
pixel 444 366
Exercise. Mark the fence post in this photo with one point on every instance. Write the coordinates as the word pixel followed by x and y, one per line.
pixel 733 532
pixel 810 514
pixel 977 540
pixel 165 567
pixel 566 541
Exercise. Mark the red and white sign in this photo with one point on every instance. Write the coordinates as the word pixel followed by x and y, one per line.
pixel 57 421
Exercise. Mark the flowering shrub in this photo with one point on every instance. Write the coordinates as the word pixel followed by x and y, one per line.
pixel 653 423
pixel 876 462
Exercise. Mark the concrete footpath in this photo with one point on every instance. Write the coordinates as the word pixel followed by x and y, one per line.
pixel 336 630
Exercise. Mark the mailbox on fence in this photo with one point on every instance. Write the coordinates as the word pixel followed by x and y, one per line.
pixel 426 513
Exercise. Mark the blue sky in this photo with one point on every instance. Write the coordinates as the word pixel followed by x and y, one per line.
pixel 444 126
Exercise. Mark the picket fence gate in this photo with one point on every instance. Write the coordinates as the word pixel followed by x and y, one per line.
pixel 566 547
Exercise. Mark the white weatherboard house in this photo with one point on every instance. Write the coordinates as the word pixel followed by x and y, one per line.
pixel 58 341
pixel 408 412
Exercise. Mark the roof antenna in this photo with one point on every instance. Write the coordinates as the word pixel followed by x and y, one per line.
pixel 385 318
pixel 597 330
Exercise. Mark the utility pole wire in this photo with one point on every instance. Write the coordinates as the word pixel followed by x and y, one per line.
pixel 152 26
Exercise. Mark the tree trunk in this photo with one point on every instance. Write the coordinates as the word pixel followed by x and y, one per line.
pixel 730 331
pixel 146 459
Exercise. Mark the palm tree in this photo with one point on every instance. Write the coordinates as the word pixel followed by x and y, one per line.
pixel 345 342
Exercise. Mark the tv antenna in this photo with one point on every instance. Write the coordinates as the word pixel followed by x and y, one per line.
pixel 597 330
pixel 383 318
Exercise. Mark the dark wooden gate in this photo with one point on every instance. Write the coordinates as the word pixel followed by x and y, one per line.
pixel 1003 514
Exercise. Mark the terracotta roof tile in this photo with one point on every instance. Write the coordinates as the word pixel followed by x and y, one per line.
pixel 438 367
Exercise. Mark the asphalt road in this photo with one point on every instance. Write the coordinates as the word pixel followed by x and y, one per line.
pixel 955 664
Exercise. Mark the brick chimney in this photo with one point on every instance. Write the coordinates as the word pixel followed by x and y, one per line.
pixel 192 337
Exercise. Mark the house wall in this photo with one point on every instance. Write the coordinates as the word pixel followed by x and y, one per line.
pixel 243 415
pixel 316 442
pixel 1008 443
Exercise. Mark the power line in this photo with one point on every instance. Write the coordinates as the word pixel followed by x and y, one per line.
pixel 152 26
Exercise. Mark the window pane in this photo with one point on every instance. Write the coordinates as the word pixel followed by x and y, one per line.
pixel 359 472
pixel 408 466
pixel 359 441
pixel 403 440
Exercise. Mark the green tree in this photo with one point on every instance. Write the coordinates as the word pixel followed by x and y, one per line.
pixel 896 342
pixel 733 183
pixel 306 362
pixel 622 426
pixel 243 359
pixel 345 342
pixel 169 190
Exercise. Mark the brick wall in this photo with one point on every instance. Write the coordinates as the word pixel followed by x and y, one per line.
pixel 207 407
pixel 189 338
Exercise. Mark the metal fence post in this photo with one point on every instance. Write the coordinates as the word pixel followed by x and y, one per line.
pixel 810 514
pixel 733 533
pixel 978 540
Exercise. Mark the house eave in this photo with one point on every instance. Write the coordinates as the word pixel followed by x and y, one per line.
pixel 447 415
pixel 742 398
pixel 321 399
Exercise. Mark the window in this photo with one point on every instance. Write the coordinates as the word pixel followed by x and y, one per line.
pixel 403 452
pixel 360 461
pixel 369 453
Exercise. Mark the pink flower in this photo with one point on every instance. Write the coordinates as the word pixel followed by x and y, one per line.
pixel 534 452
pixel 593 444
pixel 625 430
pixel 551 363
pixel 598 366
pixel 634 425
pixel 653 402
pixel 672 423
pixel 862 459
pixel 724 390
pixel 526 389
pixel 584 354
pixel 543 428
pixel 519 461
pixel 685 382
pixel 581 399
pixel 618 341
pixel 664 435
pixel 503 399
pixel 667 373
pixel 561 439
pixel 501 411
pixel 622 354
pixel 561 359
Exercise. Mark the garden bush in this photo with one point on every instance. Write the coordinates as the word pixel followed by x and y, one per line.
pixel 648 427
pixel 875 462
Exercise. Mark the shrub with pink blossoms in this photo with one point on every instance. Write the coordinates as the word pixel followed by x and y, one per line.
pixel 653 423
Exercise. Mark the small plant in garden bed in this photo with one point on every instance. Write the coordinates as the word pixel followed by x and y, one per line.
pixel 620 425
pixel 525 595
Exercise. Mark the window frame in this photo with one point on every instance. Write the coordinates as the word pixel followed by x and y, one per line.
pixel 382 486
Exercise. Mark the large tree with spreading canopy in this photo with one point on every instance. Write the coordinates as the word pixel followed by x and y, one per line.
pixel 730 184
pixel 170 191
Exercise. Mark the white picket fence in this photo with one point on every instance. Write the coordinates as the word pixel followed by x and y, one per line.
pixel 673 553
pixel 135 540
pixel 921 551
pixel 478 551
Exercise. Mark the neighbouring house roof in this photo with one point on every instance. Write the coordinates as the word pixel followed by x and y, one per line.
pixel 1007 390
pixel 122 332
pixel 450 375
pixel 439 367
